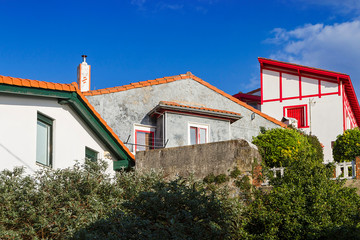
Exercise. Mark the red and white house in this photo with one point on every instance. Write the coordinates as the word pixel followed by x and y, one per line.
pixel 323 102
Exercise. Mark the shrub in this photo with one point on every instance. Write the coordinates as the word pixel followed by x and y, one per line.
pixel 317 147
pixel 347 146
pixel 304 204
pixel 279 147
pixel 54 204
pixel 173 210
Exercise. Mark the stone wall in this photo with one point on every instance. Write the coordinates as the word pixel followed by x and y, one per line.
pixel 201 159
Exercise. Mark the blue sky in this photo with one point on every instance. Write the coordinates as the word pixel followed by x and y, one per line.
pixel 217 40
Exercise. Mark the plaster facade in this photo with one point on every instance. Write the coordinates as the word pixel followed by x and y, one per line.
pixel 18 130
pixel 123 109
pixel 322 95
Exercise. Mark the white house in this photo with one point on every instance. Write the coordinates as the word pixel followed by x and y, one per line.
pixel 52 125
pixel 323 102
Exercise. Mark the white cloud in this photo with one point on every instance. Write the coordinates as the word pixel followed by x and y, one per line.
pixel 333 47
pixel 345 6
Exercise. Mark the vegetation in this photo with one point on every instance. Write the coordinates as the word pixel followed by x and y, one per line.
pixel 347 146
pixel 84 202
pixel 280 147
pixel 304 204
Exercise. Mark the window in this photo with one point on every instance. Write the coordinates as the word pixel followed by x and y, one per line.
pixel 198 134
pixel 44 140
pixel 91 154
pixel 299 113
pixel 144 138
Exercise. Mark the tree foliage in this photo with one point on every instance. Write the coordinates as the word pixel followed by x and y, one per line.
pixel 54 204
pixel 304 204
pixel 347 146
pixel 172 210
pixel 280 147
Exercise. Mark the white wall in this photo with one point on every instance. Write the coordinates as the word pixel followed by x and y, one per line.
pixel 326 113
pixel 18 129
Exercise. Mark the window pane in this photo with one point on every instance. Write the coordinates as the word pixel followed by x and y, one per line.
pixel 43 143
pixel 193 135
pixel 91 154
pixel 141 141
pixel 202 135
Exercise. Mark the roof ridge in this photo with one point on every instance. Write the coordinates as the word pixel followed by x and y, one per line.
pixel 145 83
pixel 37 84
pixel 72 87
pixel 304 66
pixel 175 78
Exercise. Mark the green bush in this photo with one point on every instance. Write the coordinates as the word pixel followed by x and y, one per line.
pixel 347 146
pixel 54 204
pixel 173 210
pixel 279 147
pixel 304 204
pixel 317 147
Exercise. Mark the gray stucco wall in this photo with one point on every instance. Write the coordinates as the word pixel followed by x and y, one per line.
pixel 177 129
pixel 121 110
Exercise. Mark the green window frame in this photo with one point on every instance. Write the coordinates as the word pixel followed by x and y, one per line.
pixel 44 140
pixel 91 154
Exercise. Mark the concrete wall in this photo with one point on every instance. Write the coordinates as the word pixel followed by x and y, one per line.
pixel 201 159
pixel 18 130
pixel 121 110
pixel 326 113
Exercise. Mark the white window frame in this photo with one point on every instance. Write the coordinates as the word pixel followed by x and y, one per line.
pixel 198 126
pixel 143 128
pixel 49 124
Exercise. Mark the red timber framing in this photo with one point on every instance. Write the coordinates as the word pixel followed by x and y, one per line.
pixel 345 87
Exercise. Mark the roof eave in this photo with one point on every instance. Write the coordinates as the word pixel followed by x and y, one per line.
pixel 162 107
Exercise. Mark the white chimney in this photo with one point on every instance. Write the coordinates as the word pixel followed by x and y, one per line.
pixel 84 75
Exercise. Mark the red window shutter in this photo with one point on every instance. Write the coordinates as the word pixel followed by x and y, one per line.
pixel 298 114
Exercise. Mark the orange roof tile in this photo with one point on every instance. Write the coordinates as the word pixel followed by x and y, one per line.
pixel 73 87
pixel 188 75
pixel 198 108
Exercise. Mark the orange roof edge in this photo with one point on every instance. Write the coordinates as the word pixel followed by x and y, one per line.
pixel 73 87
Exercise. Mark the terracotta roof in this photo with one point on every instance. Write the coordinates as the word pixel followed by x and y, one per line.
pixel 198 108
pixel 73 87
pixel 349 89
pixel 188 75
pixel 165 106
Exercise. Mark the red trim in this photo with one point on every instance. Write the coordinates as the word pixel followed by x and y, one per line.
pixel 244 96
pixel 261 84
pixel 302 74
pixel 319 88
pixel 151 134
pixel 343 103
pixel 197 134
pixel 300 90
pixel 280 86
pixel 304 106
pixel 304 96
pixel 302 68
pixel 320 74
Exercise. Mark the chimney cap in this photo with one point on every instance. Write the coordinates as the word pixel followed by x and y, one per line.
pixel 84 57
